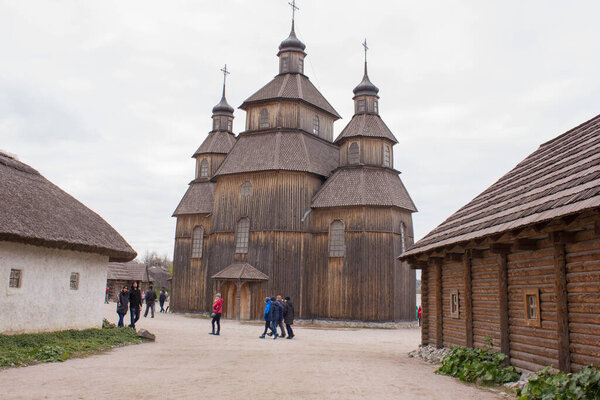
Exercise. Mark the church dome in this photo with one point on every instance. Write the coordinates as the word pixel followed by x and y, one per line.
pixel 223 107
pixel 366 87
pixel 292 43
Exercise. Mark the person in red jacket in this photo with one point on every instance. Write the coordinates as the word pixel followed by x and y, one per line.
pixel 216 314
pixel 420 314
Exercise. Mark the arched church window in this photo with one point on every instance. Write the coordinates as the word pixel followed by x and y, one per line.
pixel 316 125
pixel 301 65
pixel 197 241
pixel 242 235
pixel 337 248
pixel 353 153
pixel 264 118
pixel 386 155
pixel 246 189
pixel 204 167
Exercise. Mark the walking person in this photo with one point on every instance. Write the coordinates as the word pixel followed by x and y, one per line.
pixel 150 301
pixel 216 314
pixel 420 314
pixel 135 304
pixel 106 296
pixel 267 318
pixel 280 317
pixel 274 317
pixel 122 303
pixel 288 316
pixel 161 300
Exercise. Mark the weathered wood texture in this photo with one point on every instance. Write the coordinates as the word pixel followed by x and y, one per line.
pixel 425 309
pixel 214 162
pixel 486 321
pixel 452 279
pixel 371 151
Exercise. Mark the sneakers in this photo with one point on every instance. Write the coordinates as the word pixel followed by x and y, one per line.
pixel 275 336
pixel 211 333
pixel 261 337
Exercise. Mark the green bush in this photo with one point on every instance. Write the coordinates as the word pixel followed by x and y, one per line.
pixel 478 365
pixel 582 385
pixel 106 324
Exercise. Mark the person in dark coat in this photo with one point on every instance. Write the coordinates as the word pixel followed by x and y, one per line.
pixel 267 318
pixel 280 317
pixel 161 300
pixel 122 303
pixel 274 316
pixel 288 316
pixel 150 301
pixel 135 304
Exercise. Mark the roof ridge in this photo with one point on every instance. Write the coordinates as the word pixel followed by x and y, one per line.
pixel 569 131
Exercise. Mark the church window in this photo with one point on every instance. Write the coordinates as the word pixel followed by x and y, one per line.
pixel 316 125
pixel 376 106
pixel 386 156
pixel 337 247
pixel 362 105
pixel 246 189
pixel 197 242
pixel 242 235
pixel 14 281
pixel 353 153
pixel 531 299
pixel 216 124
pixel 74 281
pixel 402 237
pixel 204 167
pixel 230 125
pixel 301 65
pixel 285 64
pixel 264 118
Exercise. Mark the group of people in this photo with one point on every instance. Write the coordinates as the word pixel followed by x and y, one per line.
pixel 277 312
pixel 133 299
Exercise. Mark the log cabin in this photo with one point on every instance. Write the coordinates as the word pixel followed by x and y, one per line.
pixel 520 263
pixel 284 209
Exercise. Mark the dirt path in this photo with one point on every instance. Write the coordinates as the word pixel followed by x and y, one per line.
pixel 187 363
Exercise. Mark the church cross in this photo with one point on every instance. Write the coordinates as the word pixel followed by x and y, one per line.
pixel 225 73
pixel 366 48
pixel 294 8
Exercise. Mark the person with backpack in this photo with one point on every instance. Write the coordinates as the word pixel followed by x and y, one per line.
pixel 288 316
pixel 122 303
pixel 150 301
pixel 267 317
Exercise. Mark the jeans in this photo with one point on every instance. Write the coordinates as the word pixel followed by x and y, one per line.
pixel 120 325
pixel 135 315
pixel 280 325
pixel 290 332
pixel 162 304
pixel 267 327
pixel 274 328
pixel 151 306
pixel 217 319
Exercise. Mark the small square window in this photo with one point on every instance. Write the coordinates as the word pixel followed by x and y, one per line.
pixel 74 282
pixel 454 306
pixel 15 278
pixel 532 313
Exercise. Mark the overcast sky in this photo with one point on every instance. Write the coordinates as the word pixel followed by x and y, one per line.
pixel 109 99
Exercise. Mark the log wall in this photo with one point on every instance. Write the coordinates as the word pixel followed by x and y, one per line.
pixel 452 280
pixel 486 321
pixel 370 151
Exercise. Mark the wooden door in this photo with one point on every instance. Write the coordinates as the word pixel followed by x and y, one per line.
pixel 229 292
pixel 245 301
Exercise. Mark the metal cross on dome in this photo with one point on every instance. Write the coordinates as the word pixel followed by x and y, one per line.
pixel 366 48
pixel 225 73
pixel 294 8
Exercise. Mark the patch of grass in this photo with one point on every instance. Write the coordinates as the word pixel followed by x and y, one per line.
pixel 34 348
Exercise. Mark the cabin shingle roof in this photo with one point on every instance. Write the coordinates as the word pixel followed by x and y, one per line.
pixel 35 211
pixel 294 87
pixel 368 125
pixel 218 142
pixel 243 271
pixel 198 199
pixel 561 177
pixel 357 186
pixel 128 271
pixel 280 150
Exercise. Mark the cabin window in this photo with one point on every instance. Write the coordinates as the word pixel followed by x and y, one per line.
pixel 316 125
pixel 264 118
pixel 197 242
pixel 204 167
pixel 285 65
pixel 242 235
pixel 353 153
pixel 246 189
pixel 386 156
pixel 301 65
pixel 14 281
pixel 361 105
pixel 454 303
pixel 376 106
pixel 402 237
pixel 74 281
pixel 337 247
pixel 230 125
pixel 216 124
pixel 531 298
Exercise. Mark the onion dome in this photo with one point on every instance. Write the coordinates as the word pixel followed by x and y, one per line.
pixel 292 43
pixel 366 87
pixel 223 108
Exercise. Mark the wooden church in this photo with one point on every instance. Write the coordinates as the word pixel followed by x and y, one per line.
pixel 284 209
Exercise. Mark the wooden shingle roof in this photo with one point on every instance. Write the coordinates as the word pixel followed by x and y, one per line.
pixel 242 271
pixel 198 199
pixel 362 185
pixel 561 177
pixel 35 211
pixel 218 142
pixel 129 271
pixel 280 150
pixel 292 87
pixel 368 125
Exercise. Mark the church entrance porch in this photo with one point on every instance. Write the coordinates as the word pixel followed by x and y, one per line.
pixel 240 286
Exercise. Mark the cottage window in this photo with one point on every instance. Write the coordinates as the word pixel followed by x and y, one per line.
pixel 531 299
pixel 230 125
pixel 216 124
pixel 301 65
pixel 353 153
pixel 285 65
pixel 204 167
pixel 337 247
pixel 362 105
pixel 14 281
pixel 386 156
pixel 197 241
pixel 454 303
pixel 246 189
pixel 376 106
pixel 242 235
pixel 264 118
pixel 74 281
pixel 316 125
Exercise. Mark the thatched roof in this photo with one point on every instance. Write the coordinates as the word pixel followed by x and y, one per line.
pixel 218 142
pixel 363 186
pixel 560 178
pixel 280 150
pixel 367 125
pixel 35 211
pixel 242 271
pixel 291 87
pixel 198 199
pixel 128 271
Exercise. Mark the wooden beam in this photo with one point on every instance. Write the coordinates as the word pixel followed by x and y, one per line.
pixel 439 331
pixel 526 244
pixel 562 311
pixel 475 253
pixel 540 226
pixel 503 302
pixel 454 257
pixel 597 227
pixel 425 318
pixel 569 219
pixel 468 286
pixel 500 248
pixel 561 237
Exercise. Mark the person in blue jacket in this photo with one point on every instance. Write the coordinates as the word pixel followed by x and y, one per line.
pixel 267 317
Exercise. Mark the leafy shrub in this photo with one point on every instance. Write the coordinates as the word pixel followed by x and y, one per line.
pixel 106 324
pixel 582 385
pixel 477 365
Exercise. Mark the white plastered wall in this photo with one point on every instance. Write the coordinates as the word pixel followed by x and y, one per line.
pixel 45 301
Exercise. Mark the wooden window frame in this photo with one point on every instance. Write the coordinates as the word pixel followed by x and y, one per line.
pixel 537 320
pixel 264 118
pixel 337 241
pixel 402 237
pixel 203 168
pixel 387 156
pixel 454 304
pixel 301 65
pixel 197 241
pixel 351 157
pixel 74 281
pixel 246 189
pixel 242 237
pixel 361 105
pixel 15 279
pixel 230 125
pixel 216 124
pixel 285 64
pixel 376 106
pixel 316 125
